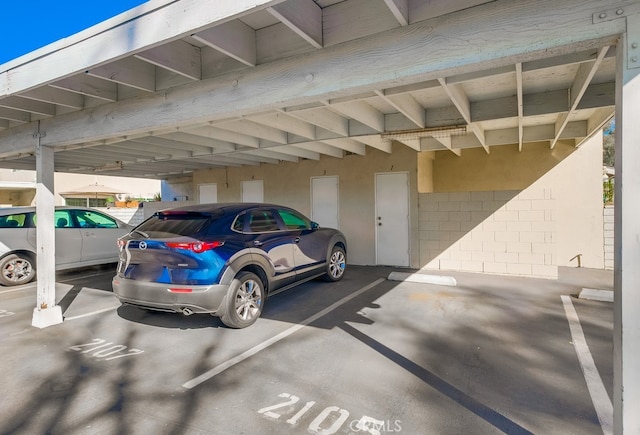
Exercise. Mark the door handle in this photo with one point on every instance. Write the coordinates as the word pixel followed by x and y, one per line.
pixel 297 240
pixel 257 243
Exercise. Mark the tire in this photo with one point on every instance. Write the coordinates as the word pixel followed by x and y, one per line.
pixel 336 265
pixel 244 301
pixel 16 269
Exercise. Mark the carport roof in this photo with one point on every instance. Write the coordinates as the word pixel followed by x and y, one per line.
pixel 171 87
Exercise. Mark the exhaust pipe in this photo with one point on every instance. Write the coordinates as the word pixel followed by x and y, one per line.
pixel 187 311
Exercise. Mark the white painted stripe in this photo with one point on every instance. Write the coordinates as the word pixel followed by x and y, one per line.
pixel 599 397
pixel 284 334
pixel 17 289
pixel 80 316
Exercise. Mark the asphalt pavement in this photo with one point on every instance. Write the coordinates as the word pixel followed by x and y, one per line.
pixel 488 355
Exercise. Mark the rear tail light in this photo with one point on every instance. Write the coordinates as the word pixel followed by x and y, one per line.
pixel 197 247
pixel 180 290
pixel 121 244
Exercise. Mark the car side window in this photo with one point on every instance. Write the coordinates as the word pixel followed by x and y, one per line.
pixel 294 220
pixel 62 219
pixel 238 224
pixel 14 221
pixel 91 219
pixel 262 221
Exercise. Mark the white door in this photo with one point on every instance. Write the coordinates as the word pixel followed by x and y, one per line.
pixel 252 191
pixel 208 193
pixel 324 201
pixel 392 219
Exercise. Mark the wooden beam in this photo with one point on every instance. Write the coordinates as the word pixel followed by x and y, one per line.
pixel 375 141
pixel 400 10
pixel 294 150
pixel 233 38
pixel 408 106
pixel 89 86
pixel 155 26
pixel 282 121
pixel 322 148
pixel 347 144
pixel 60 97
pixel 129 71
pixel 214 144
pixel 27 105
pixel 178 57
pixel 256 130
pixel 392 58
pixel 362 112
pixel 520 103
pixel 448 144
pixel 578 88
pixel 272 154
pixel 14 115
pixel 323 118
pixel 304 17
pixel 225 136
pixel 459 98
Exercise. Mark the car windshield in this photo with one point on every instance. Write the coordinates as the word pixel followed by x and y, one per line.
pixel 173 224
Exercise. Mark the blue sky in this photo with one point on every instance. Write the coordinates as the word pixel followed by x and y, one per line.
pixel 29 25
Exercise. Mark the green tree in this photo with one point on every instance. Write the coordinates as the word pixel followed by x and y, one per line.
pixel 609 149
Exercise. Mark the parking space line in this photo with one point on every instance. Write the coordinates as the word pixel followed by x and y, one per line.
pixel 599 397
pixel 80 316
pixel 17 289
pixel 265 344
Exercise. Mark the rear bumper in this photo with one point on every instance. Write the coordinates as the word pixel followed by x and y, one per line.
pixel 167 297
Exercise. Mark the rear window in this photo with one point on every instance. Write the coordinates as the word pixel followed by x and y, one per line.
pixel 14 221
pixel 173 224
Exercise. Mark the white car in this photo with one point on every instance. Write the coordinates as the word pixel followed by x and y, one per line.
pixel 84 237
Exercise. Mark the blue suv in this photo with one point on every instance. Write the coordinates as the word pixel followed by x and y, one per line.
pixel 224 259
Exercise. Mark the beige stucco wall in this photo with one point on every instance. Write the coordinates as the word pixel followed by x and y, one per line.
pixel 508 212
pixel 289 184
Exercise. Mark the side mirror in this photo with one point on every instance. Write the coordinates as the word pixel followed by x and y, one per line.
pixel 314 226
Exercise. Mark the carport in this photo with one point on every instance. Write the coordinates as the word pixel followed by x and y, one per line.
pixel 176 87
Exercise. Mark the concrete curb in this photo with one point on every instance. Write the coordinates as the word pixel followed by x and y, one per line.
pixel 423 278
pixel 596 295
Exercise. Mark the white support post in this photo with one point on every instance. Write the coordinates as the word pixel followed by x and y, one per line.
pixel 46 312
pixel 626 334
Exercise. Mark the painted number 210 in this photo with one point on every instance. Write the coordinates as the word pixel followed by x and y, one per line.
pixel 99 348
pixel 331 416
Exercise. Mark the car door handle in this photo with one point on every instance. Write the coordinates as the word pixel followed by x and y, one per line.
pixel 297 240
pixel 257 243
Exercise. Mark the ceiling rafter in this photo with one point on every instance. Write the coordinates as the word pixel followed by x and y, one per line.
pixel 60 97
pixel 257 130
pixel 361 112
pixel 285 122
pixel 177 56
pixel 90 86
pixel 580 84
pixel 233 38
pixel 459 98
pixel 400 10
pixel 129 71
pixel 519 96
pixel 304 17
pixel 323 118
pixel 27 105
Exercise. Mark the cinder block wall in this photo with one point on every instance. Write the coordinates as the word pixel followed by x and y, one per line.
pixel 503 232
pixel 608 236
